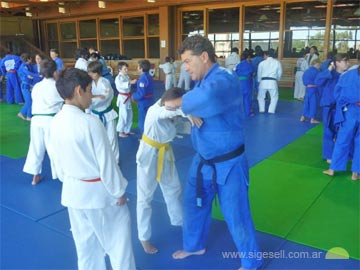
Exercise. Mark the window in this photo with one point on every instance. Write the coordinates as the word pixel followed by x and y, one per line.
pixel 304 27
pixel 192 23
pixel 110 49
pixel 68 31
pixel 345 28
pixel 262 27
pixel 134 48
pixel 52 34
pixel 68 43
pixel 109 28
pixel 224 30
pixel 133 27
pixel 87 29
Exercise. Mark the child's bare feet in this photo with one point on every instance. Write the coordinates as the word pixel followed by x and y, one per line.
pixel 37 179
pixel 314 121
pixel 329 172
pixel 148 247
pixel 21 116
pixel 123 135
pixel 28 119
pixel 182 254
pixel 355 176
pixel 302 119
pixel 328 161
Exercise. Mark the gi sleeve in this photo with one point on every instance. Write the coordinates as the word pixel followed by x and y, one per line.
pixel 107 91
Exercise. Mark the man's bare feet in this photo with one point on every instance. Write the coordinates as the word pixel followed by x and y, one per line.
pixel 314 121
pixel 182 254
pixel 355 176
pixel 328 161
pixel 123 135
pixel 148 247
pixel 21 116
pixel 302 119
pixel 37 179
pixel 329 172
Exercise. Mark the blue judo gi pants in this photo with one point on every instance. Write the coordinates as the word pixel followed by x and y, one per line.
pixel 13 89
pixel 26 109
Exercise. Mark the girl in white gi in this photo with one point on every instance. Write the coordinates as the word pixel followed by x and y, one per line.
pixel 123 86
pixel 167 67
pixel 46 102
pixel 93 186
pixel 155 165
pixel 81 56
pixel 101 104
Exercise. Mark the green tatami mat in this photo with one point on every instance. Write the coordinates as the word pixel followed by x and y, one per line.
pixel 334 219
pixel 317 130
pixel 280 193
pixel 14 132
pixel 305 151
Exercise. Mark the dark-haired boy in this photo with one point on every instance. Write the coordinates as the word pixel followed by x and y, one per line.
pixel 46 102
pixel 144 92
pixel 93 185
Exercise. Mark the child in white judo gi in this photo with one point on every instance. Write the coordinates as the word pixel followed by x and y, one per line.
pixel 93 186
pixel 168 69
pixel 155 165
pixel 46 102
pixel 101 104
pixel 123 86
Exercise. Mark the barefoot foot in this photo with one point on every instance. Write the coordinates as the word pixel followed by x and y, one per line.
pixel 149 248
pixel 21 116
pixel 314 121
pixel 328 161
pixel 302 119
pixel 37 179
pixel 123 135
pixel 355 176
pixel 182 254
pixel 329 172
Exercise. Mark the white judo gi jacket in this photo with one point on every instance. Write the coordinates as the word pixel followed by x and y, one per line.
pixel 82 64
pixel 122 82
pixel 168 69
pixel 46 102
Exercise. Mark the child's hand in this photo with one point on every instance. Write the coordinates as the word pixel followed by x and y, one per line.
pixel 122 200
pixel 195 121
pixel 133 81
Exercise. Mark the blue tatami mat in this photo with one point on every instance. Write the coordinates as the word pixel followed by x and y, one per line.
pixel 17 193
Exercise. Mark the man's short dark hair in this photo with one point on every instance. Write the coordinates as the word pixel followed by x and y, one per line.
pixel 145 65
pixel 172 93
pixel 47 68
pixel 198 44
pixel 69 79
pixel 95 67
pixel 235 50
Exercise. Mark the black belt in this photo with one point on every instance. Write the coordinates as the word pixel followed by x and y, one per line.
pixel 210 162
pixel 268 78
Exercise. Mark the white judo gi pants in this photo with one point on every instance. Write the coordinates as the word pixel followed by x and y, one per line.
pixel 169 81
pixel 99 231
pixel 272 88
pixel 112 135
pixel 146 186
pixel 39 139
pixel 299 88
pixel 125 118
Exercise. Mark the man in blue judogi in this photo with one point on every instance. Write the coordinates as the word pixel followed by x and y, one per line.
pixel 144 92
pixel 9 65
pixel 219 165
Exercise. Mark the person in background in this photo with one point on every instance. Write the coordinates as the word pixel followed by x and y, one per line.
pixel 232 60
pixel 255 61
pixel 244 71
pixel 326 80
pixel 81 56
pixel 93 187
pixel 54 54
pixel 95 56
pixel 9 66
pixel 26 75
pixel 312 93
pixel 312 55
pixel 301 66
pixel 46 102
pixel 123 86
pixel 101 104
pixel 36 68
pixel 219 166
pixel 172 61
pixel 184 79
pixel 269 72
pixel 144 92
pixel 168 69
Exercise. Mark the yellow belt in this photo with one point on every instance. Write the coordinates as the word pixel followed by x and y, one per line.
pixel 162 147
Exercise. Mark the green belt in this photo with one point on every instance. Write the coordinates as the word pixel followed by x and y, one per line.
pixel 243 78
pixel 101 114
pixel 44 114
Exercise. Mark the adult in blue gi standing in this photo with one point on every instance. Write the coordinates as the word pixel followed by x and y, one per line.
pixel 95 56
pixel 26 75
pixel 245 71
pixel 219 165
pixel 259 57
pixel 9 66
pixel 347 95
pixel 311 93
pixel 54 54
pixel 144 92
pixel 326 80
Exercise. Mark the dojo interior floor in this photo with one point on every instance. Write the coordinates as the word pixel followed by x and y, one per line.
pixel 35 230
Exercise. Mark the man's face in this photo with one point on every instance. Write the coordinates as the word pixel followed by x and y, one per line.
pixel 194 64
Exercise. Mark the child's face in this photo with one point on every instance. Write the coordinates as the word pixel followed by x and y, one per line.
pixel 94 75
pixel 124 70
pixel 53 55
pixel 173 104
pixel 85 97
pixel 37 59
